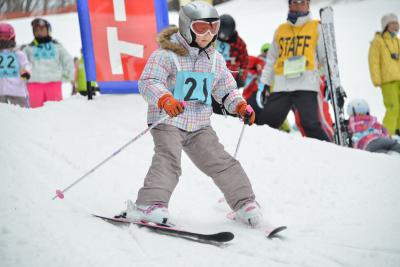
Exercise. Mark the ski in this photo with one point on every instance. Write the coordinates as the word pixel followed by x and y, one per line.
pixel 217 239
pixel 274 232
pixel 268 230
pixel 336 92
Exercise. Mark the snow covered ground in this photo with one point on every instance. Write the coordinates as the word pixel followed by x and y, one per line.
pixel 341 205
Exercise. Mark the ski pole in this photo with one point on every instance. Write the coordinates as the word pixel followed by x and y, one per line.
pixel 222 199
pixel 249 110
pixel 239 141
pixel 60 193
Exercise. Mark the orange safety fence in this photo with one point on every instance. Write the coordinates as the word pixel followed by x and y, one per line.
pixel 21 14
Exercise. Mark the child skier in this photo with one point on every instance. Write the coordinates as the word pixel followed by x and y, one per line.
pixel 51 64
pixel 367 133
pixel 15 69
pixel 187 63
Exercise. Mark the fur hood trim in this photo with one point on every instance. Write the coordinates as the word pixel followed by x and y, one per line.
pixel 164 39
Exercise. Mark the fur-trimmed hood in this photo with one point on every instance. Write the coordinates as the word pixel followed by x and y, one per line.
pixel 170 39
pixel 165 42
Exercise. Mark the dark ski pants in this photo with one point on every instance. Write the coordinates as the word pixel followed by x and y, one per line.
pixel 383 145
pixel 206 152
pixel 305 102
pixel 217 108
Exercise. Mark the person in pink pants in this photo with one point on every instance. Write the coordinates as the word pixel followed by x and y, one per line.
pixel 51 65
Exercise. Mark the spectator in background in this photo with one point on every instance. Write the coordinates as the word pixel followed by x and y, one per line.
pixel 366 132
pixel 234 51
pixel 323 106
pixel 51 65
pixel 252 84
pixel 292 69
pixel 384 66
pixel 80 78
pixel 14 69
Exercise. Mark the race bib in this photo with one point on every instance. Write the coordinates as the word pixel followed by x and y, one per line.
pixel 224 49
pixel 193 86
pixel 9 67
pixel 44 51
pixel 294 67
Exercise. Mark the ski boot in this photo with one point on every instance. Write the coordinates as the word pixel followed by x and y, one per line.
pixel 250 214
pixel 155 213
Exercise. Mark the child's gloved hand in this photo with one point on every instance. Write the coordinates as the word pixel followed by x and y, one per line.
pixel 171 106
pixel 246 112
pixel 25 75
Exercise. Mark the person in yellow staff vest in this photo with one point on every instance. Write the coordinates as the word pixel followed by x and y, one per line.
pixel 292 70
pixel 384 66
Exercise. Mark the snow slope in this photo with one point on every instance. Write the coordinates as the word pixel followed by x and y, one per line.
pixel 341 205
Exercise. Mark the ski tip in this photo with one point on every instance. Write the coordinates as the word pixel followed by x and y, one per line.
pixel 224 236
pixel 277 230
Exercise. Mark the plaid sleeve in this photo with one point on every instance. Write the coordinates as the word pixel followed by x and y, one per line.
pixel 224 85
pixel 153 82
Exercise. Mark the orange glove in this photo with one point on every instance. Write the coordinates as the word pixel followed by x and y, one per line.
pixel 171 106
pixel 246 112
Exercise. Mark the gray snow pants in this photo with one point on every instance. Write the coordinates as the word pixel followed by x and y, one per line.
pixel 205 151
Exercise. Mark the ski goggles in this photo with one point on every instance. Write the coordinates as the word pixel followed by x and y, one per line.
pixel 201 27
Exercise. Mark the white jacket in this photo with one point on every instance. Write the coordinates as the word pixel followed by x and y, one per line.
pixel 309 81
pixel 58 68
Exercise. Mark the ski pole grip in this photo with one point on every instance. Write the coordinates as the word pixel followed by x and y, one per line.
pixel 183 103
pixel 249 110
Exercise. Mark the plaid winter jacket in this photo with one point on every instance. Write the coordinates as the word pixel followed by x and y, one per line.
pixel 159 75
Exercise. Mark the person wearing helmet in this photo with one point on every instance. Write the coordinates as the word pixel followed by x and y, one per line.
pixel 178 80
pixel 384 67
pixel 292 69
pixel 234 51
pixel 264 50
pixel 366 132
pixel 51 65
pixel 14 69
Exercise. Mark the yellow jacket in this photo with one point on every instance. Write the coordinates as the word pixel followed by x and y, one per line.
pixel 382 67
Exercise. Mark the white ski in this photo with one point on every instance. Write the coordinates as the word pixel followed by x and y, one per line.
pixel 337 94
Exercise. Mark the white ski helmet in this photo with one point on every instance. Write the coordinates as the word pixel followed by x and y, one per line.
pixel 197 10
pixel 357 106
